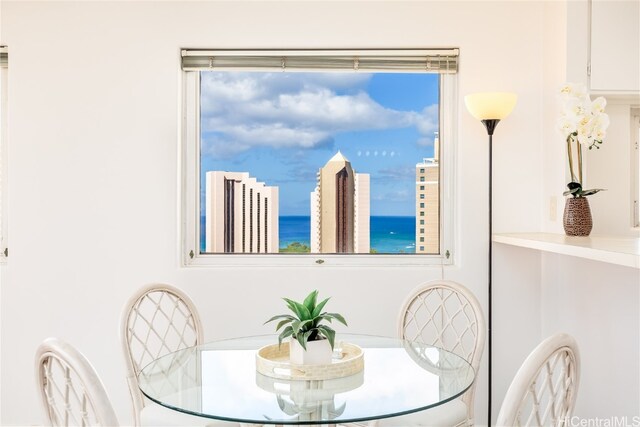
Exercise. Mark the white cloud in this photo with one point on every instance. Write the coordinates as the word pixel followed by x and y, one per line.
pixel 427 124
pixel 293 110
pixel 222 148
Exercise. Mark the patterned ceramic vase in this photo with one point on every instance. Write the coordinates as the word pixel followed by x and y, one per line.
pixel 577 217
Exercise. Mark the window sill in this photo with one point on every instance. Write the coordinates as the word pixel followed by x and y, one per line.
pixel 317 260
pixel 622 251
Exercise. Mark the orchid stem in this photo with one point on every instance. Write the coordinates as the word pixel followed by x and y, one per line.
pixel 579 148
pixel 569 152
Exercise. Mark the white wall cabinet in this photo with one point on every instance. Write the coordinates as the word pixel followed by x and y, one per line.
pixel 615 46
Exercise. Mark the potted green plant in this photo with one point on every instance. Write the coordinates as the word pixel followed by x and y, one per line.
pixel 312 341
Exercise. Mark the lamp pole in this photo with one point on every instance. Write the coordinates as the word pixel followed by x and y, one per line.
pixel 490 124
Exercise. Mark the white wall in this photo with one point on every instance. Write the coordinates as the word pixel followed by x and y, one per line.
pixel 552 146
pixel 94 110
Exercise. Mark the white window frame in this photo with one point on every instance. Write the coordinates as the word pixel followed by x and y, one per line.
pixel 635 167
pixel 4 248
pixel 189 193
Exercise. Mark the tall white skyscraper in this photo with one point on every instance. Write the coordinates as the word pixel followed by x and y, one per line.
pixel 340 209
pixel 241 214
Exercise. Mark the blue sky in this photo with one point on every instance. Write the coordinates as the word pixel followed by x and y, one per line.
pixel 282 127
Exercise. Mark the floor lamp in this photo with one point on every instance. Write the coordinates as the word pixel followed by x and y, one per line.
pixel 490 108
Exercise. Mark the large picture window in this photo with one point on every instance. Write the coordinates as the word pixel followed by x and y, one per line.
pixel 317 153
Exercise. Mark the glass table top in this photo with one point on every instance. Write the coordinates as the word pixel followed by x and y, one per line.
pixel 219 380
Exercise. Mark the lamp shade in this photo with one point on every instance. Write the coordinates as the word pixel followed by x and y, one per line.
pixel 490 105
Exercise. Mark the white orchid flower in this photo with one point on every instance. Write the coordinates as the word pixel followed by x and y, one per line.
pixel 573 90
pixel 577 107
pixel 582 123
pixel 567 124
pixel 583 135
pixel 600 125
pixel 598 104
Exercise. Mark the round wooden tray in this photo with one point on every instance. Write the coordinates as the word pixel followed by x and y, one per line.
pixel 273 361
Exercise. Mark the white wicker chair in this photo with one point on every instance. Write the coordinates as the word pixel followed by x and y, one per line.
pixel 444 314
pixel 71 392
pixel 157 320
pixel 543 392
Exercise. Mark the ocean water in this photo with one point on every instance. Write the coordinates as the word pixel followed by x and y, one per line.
pixel 393 234
pixel 388 234
pixel 294 229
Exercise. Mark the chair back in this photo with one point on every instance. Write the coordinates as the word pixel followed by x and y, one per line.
pixel 157 320
pixel 543 392
pixel 446 314
pixel 71 391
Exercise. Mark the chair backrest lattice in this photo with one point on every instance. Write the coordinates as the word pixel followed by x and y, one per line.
pixel 71 392
pixel 159 319
pixel 543 392
pixel 447 315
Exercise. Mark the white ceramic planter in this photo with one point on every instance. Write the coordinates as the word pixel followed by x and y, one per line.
pixel 317 353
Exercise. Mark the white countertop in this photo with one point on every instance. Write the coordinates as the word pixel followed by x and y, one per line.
pixel 614 250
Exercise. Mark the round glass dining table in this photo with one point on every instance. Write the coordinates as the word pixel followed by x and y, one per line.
pixel 218 380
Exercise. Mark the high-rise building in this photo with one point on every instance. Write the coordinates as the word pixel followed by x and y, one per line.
pixel 340 209
pixel 241 214
pixel 428 203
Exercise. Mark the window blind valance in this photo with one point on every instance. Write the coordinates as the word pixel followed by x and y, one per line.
pixel 394 60
pixel 4 56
